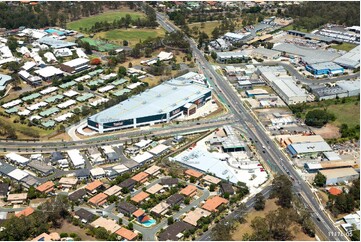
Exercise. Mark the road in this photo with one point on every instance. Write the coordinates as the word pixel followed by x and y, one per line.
pixel 256 131
pixel 50 146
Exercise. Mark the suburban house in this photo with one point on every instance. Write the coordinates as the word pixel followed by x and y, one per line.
pixel 126 208
pixel 84 215
pixel 46 187
pixel 189 191
pixel 98 200
pixel 94 186
pixel 213 203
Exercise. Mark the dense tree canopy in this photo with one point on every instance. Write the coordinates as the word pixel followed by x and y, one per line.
pixel 311 15
pixel 318 118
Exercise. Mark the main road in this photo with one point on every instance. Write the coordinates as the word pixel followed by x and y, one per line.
pixel 271 151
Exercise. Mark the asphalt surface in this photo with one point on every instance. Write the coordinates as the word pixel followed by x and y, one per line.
pixel 50 146
pixel 272 153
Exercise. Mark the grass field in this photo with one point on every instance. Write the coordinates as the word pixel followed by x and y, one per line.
pixel 20 129
pixel 109 16
pixel 100 45
pixel 208 27
pixel 344 46
pixel 291 27
pixel 133 36
pixel 347 113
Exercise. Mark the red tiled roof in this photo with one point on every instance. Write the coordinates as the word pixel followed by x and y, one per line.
pixel 26 212
pixel 335 191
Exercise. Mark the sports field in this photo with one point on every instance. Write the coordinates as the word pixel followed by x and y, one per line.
pixel 109 16
pixel 133 36
pixel 100 45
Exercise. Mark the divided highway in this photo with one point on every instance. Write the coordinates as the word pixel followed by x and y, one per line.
pixel 255 131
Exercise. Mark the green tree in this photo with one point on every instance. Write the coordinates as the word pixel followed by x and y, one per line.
pixel 260 202
pixel 318 118
pixel 80 87
pixel 170 220
pixel 282 190
pixel 122 71
pixel 130 226
pixel 320 180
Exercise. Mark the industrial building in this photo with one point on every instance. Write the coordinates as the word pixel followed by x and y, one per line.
pixel 351 59
pixel 236 37
pixel 334 176
pixel 228 56
pixel 325 93
pixel 351 87
pixel 75 65
pixel 283 85
pixel 325 68
pixel 308 55
pixel 162 103
pixel 308 149
pixel 264 53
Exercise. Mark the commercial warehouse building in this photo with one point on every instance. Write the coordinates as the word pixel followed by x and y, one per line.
pixel 351 59
pixel 265 53
pixel 308 149
pixel 325 68
pixel 308 55
pixel 283 85
pixel 334 176
pixel 162 103
pixel 228 56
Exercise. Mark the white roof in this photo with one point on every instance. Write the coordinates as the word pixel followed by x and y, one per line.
pixel 36 106
pixel 80 53
pixel 18 174
pixel 70 93
pixel 25 112
pixel 143 157
pixel 75 157
pixel 99 101
pixel 28 65
pixel 120 168
pixel 24 74
pixel 82 78
pixel 36 117
pixel 165 55
pixel 49 71
pixel 50 57
pixel 106 88
pixel 106 77
pixel 49 90
pixel 76 62
pixel 158 149
pixel 63 117
pixel 17 158
pixel 301 148
pixel 66 103
pixel 134 85
pixel 12 103
pixel 63 52
pixel 108 149
pixel 143 143
pixel 97 172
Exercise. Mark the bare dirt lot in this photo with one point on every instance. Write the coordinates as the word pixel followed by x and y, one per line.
pixel 69 228
pixel 329 131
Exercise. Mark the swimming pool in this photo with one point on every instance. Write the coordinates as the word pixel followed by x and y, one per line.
pixel 51 31
pixel 149 223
